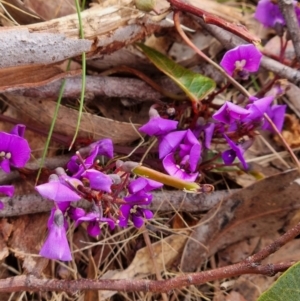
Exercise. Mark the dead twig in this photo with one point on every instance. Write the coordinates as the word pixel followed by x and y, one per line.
pixel 34 284
pixel 162 201
pixel 248 266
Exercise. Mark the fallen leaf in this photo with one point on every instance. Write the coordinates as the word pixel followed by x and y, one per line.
pixel 5 231
pixel 166 250
pixel 258 210
pixel 91 126
pixel 27 238
pixel 31 76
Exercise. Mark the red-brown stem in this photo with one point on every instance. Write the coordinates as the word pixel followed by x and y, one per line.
pixel 209 18
pixel 34 284
pixel 248 266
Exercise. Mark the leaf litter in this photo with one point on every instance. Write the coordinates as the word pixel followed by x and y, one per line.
pixel 245 220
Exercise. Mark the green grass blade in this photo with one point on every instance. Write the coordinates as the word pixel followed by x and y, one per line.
pixel 83 83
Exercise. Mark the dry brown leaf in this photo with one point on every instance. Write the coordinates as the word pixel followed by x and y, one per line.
pixel 49 10
pixel 27 238
pixel 235 296
pixel 31 76
pixel 21 12
pixel 238 251
pixel 5 231
pixel 291 132
pixel 166 250
pixel 119 112
pixel 91 126
pixel 257 210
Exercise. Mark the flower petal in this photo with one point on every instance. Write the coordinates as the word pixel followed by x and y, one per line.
pixel 170 142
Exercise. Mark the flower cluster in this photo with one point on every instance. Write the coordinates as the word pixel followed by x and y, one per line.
pixel 86 179
pixel 118 199
pixel 179 150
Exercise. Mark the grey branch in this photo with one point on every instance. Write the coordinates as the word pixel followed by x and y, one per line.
pixel 288 11
pixel 95 85
pixel 162 201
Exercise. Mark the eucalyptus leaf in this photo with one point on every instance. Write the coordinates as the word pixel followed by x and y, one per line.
pixel 286 287
pixel 195 85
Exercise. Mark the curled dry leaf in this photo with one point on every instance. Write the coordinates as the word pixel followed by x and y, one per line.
pixel 25 77
pixel 91 126
pixel 260 209
pixel 51 9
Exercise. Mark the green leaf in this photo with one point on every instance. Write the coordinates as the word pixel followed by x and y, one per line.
pixel 286 287
pixel 195 85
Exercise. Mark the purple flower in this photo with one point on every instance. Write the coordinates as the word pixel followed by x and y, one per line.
pixel 136 213
pixel 56 245
pixel 184 148
pixel 204 129
pixel 157 126
pixel 139 197
pixel 179 170
pixel 243 59
pixel 268 13
pixel 94 218
pixel 258 107
pixel 14 151
pixel 276 113
pixel 190 150
pixel 170 142
pixel 237 150
pixel 103 147
pixel 230 112
pixel 76 213
pixel 19 130
pixel 7 190
pixel 98 180
pixel 143 185
pixel 56 191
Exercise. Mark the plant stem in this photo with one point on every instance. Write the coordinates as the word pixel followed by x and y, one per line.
pixel 205 57
pixel 83 59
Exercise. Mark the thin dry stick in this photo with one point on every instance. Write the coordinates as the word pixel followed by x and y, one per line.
pixel 233 81
pixel 152 256
pixel 205 57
